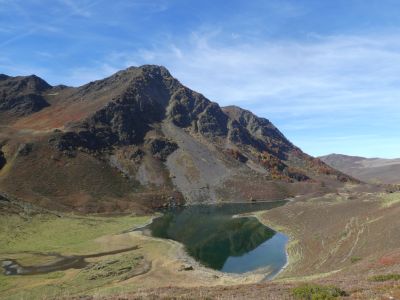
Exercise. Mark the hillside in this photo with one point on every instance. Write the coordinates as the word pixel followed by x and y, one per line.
pixel 374 170
pixel 139 140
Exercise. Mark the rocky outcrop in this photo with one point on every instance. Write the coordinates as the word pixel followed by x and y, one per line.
pixel 191 109
pixel 25 149
pixel 236 154
pixel 2 160
pixel 22 95
pixel 161 148
pixel 248 129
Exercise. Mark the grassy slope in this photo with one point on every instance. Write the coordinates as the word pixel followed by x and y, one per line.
pixel 340 240
pixel 67 235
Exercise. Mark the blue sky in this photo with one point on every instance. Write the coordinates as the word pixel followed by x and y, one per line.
pixel 327 73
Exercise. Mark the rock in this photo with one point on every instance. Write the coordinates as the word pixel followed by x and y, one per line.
pixel 6 263
pixel 3 160
pixel 25 149
pixel 161 148
pixel 186 268
pixel 236 154
pixel 190 109
pixel 22 95
pixel 212 121
pixel 136 155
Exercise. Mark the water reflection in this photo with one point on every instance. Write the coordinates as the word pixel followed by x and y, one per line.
pixel 221 242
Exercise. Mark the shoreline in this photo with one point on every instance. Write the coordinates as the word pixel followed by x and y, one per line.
pixel 182 254
pixel 257 216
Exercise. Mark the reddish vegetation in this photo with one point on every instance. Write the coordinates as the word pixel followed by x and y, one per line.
pixel 390 259
pixel 108 145
pixel 236 154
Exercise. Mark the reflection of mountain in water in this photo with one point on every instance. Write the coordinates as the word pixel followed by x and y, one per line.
pixel 210 234
pixel 233 238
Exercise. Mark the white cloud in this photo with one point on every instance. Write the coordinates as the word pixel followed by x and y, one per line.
pixel 345 83
pixel 324 83
pixel 81 75
pixel 335 73
pixel 78 9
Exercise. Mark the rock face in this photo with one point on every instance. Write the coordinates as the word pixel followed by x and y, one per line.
pixel 2 160
pixel 139 139
pixel 246 128
pixel 162 148
pixel 22 95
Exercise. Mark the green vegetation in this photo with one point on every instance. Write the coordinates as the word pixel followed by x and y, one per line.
pixel 67 235
pixel 94 276
pixel 317 292
pixel 390 199
pixel 385 277
pixel 355 259
pixel 30 240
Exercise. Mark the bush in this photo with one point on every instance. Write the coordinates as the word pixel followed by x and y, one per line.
pixel 355 259
pixel 385 277
pixel 317 292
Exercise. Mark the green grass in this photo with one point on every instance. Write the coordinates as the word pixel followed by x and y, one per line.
pixel 317 292
pixel 355 259
pixel 385 277
pixel 390 199
pixel 67 235
pixel 91 278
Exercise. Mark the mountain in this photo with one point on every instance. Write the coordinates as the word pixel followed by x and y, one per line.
pixel 375 170
pixel 139 140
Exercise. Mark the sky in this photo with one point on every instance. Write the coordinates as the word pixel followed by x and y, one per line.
pixel 326 73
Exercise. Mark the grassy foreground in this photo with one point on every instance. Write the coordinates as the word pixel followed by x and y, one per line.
pixel 32 240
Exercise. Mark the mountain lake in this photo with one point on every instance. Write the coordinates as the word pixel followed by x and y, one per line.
pixel 220 239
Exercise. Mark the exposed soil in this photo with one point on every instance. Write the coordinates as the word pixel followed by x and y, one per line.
pixel 340 239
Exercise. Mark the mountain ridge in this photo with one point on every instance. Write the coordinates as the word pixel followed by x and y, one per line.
pixel 374 170
pixel 139 139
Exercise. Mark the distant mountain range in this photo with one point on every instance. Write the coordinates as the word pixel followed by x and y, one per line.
pixel 138 140
pixel 375 170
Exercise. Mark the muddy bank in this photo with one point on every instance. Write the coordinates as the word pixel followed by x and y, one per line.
pixel 12 267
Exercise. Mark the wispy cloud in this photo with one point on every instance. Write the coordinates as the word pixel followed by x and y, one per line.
pixel 77 8
pixel 87 74
pixel 345 83
pixel 324 74
pixel 49 24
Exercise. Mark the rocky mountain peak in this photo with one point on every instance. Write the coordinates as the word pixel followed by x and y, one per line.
pixel 22 95
pixel 4 77
pixel 160 135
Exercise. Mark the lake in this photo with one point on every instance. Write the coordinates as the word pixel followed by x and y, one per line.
pixel 222 242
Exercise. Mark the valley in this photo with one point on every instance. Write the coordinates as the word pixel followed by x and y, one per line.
pixel 199 150
pixel 335 240
pixel 137 187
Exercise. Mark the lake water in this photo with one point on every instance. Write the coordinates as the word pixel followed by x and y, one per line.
pixel 222 242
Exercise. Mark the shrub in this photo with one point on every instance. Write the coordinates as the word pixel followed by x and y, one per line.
pixel 385 277
pixel 355 259
pixel 317 292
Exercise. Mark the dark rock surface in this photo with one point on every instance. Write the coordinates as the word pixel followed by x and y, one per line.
pixel 161 148
pixel 2 160
pixel 22 95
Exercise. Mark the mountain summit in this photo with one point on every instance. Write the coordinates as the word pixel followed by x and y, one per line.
pixel 138 140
